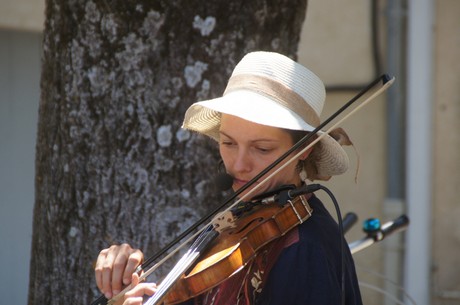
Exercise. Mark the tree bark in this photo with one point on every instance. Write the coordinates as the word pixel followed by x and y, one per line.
pixel 112 162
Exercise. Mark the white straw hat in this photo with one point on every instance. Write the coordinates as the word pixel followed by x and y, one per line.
pixel 271 89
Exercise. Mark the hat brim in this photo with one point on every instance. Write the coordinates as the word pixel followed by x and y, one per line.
pixel 204 116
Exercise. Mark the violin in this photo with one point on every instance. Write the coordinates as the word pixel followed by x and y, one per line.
pixel 218 254
pixel 236 246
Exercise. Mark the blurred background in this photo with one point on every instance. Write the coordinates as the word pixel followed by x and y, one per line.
pixel 406 151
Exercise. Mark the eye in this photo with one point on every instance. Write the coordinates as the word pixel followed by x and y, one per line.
pixel 226 143
pixel 264 150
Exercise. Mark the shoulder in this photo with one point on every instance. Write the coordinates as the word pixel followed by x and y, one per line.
pixel 320 228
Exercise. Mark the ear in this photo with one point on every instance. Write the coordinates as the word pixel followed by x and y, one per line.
pixel 305 154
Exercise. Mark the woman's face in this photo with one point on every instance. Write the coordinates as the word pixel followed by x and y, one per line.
pixel 247 148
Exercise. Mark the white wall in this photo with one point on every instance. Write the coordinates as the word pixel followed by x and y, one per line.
pixel 25 15
pixel 19 98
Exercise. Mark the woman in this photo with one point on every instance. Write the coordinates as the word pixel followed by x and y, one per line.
pixel 269 104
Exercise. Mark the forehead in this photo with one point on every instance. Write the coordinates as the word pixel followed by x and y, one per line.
pixel 239 128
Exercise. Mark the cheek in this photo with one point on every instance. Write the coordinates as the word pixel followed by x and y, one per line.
pixel 225 155
pixel 288 175
pixel 261 163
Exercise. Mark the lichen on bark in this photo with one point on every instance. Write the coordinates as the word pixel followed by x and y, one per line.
pixel 112 163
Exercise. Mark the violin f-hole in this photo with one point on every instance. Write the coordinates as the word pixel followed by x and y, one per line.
pixel 254 221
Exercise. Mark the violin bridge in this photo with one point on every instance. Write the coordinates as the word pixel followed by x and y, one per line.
pixel 223 221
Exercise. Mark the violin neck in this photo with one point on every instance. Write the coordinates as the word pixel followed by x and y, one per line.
pixel 199 246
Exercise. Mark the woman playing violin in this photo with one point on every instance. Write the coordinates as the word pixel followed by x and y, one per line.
pixel 269 104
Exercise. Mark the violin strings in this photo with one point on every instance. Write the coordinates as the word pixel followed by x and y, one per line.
pixel 184 263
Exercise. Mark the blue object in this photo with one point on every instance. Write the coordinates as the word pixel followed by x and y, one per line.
pixel 371 225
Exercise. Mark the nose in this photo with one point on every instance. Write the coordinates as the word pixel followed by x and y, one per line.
pixel 242 162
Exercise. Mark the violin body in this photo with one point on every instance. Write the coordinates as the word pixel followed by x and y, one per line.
pixel 235 247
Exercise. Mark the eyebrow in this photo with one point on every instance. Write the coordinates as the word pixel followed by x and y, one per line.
pixel 252 141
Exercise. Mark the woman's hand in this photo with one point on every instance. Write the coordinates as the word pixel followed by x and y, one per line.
pixel 136 295
pixel 115 267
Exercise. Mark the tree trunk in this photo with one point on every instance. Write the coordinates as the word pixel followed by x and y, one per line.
pixel 112 163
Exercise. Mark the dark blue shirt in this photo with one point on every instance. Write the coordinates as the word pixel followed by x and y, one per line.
pixel 309 271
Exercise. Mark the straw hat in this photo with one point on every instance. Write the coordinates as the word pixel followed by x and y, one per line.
pixel 271 89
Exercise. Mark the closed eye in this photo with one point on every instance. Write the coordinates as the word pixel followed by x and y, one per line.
pixel 227 143
pixel 264 149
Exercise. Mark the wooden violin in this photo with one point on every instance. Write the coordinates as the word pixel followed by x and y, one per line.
pixel 235 247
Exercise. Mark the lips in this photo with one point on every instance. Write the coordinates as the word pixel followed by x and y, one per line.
pixel 238 183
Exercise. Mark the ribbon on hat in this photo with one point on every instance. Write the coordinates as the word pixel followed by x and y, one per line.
pixel 276 91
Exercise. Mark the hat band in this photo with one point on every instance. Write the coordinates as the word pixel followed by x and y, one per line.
pixel 275 91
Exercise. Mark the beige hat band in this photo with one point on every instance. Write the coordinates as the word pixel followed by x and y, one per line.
pixel 275 91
